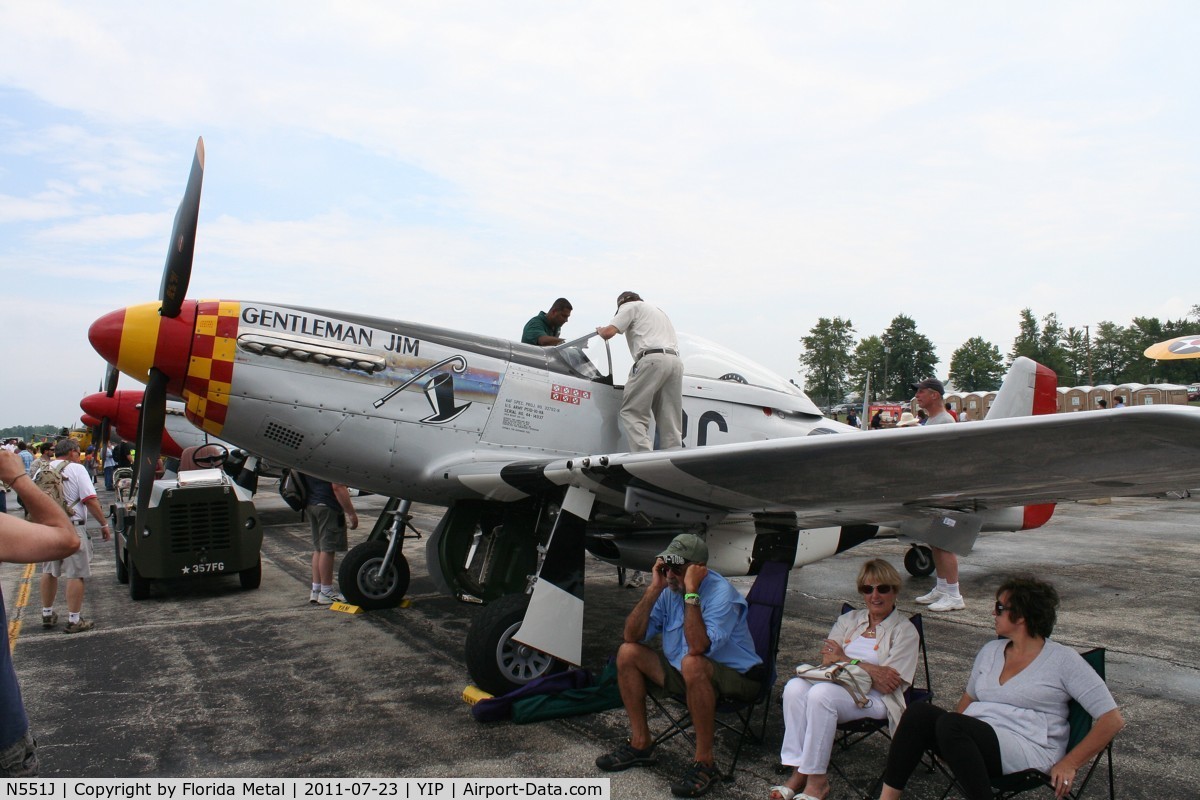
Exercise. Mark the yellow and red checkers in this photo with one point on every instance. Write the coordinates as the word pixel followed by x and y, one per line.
pixel 210 368
pixel 566 394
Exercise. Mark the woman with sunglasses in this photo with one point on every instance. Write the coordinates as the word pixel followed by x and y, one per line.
pixel 1013 715
pixel 879 639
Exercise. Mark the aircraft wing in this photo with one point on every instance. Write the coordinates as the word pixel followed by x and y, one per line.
pixel 892 475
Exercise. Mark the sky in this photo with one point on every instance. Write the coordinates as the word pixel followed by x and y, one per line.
pixel 748 167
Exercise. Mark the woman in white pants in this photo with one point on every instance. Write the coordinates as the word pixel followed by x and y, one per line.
pixel 885 644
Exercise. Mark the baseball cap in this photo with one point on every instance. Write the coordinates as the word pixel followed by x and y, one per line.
pixel 929 383
pixel 685 547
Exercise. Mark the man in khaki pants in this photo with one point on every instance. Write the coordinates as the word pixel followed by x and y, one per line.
pixel 655 385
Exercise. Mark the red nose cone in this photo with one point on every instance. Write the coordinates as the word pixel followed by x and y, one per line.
pixel 105 335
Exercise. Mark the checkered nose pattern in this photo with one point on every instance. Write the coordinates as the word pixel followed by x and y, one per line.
pixel 210 369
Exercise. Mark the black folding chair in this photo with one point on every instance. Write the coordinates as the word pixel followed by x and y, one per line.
pixel 1016 783
pixel 850 734
pixel 764 618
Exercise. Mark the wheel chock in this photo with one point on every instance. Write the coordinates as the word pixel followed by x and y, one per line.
pixel 473 694
pixel 346 608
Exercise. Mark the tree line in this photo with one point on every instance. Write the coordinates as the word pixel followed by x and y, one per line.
pixel 27 432
pixel 834 364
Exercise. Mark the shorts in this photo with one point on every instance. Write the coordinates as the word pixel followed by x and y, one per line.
pixel 19 759
pixel 328 529
pixel 730 684
pixel 78 564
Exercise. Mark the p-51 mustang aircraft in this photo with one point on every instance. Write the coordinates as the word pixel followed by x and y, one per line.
pixel 522 446
pixel 122 410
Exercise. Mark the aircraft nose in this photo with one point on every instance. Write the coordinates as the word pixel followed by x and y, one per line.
pixel 100 405
pixel 136 338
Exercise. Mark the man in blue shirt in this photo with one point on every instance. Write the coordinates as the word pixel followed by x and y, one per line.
pixel 707 653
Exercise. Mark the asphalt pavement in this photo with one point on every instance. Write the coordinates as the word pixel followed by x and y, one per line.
pixel 206 680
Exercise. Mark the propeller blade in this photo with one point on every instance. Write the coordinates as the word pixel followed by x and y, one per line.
pixel 178 270
pixel 110 380
pixel 150 431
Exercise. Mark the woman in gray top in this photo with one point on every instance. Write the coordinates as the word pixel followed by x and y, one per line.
pixel 1013 715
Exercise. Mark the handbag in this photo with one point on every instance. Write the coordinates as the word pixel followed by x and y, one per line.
pixel 853 678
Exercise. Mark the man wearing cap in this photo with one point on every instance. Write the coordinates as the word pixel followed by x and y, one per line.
pixel 945 595
pixel 707 652
pixel 655 383
pixel 544 329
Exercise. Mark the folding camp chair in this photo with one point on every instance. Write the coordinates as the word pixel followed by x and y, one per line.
pixel 1016 783
pixel 850 734
pixel 764 617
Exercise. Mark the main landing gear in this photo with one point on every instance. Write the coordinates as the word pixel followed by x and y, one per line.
pixel 374 574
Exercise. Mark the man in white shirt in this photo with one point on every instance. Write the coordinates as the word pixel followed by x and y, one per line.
pixel 655 384
pixel 80 495
pixel 945 595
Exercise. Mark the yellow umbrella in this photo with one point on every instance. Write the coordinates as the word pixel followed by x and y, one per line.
pixel 1179 347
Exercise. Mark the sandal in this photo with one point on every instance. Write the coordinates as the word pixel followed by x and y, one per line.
pixel 696 781
pixel 626 756
pixel 781 793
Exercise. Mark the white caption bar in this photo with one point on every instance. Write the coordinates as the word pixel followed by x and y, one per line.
pixel 304 789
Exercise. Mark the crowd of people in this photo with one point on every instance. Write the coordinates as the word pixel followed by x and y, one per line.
pixel 1012 716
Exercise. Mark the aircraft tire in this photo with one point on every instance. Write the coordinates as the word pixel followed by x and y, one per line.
pixel 139 587
pixel 495 662
pixel 364 585
pixel 251 577
pixel 122 569
pixel 919 561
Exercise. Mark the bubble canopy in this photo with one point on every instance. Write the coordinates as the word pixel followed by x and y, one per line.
pixel 705 359
pixel 590 357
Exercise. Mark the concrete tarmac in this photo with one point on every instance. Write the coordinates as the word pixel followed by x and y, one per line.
pixel 205 680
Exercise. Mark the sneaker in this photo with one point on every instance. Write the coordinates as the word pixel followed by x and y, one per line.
pixel 314 596
pixel 636 580
pixel 626 756
pixel 79 627
pixel 50 620
pixel 929 599
pixel 948 603
pixel 329 598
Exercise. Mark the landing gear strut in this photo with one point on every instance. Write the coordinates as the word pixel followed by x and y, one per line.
pixel 374 575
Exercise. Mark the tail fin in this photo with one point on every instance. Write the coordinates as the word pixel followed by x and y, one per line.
pixel 1029 388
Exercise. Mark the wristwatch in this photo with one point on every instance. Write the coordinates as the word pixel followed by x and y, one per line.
pixel 692 599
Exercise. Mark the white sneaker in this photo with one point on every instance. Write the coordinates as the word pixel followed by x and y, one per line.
pixel 932 597
pixel 948 603
pixel 329 598
pixel 315 596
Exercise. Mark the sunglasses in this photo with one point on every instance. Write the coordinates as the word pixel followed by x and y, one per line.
pixel 866 588
pixel 666 569
pixel 1000 608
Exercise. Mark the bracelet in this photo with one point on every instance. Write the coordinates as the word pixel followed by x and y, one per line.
pixel 690 595
pixel 14 480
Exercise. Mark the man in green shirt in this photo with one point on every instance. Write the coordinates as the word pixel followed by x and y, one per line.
pixel 543 329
